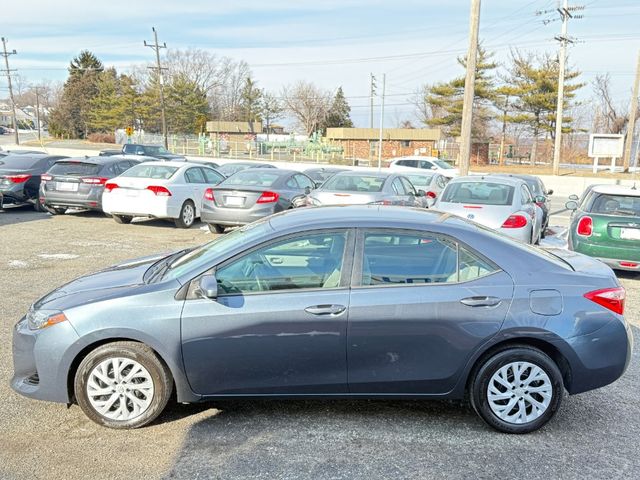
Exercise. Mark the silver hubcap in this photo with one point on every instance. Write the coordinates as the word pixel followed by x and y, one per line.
pixel 519 392
pixel 188 214
pixel 120 389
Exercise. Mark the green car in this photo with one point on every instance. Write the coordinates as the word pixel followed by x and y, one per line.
pixel 605 224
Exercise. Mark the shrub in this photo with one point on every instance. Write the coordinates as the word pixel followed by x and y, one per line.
pixel 102 138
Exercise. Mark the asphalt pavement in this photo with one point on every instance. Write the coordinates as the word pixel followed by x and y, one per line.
pixel 595 435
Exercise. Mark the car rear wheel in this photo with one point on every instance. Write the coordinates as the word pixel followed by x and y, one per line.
pixel 517 390
pixel 39 206
pixel 215 228
pixel 187 215
pixel 122 218
pixel 122 385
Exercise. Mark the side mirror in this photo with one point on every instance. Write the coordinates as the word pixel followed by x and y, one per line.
pixel 573 197
pixel 307 190
pixel 434 168
pixel 571 205
pixel 422 193
pixel 207 287
pixel 540 199
pixel 549 192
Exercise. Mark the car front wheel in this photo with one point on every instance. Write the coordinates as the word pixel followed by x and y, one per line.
pixel 122 218
pixel 122 385
pixel 215 228
pixel 517 390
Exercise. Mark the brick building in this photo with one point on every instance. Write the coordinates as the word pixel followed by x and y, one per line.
pixel 396 142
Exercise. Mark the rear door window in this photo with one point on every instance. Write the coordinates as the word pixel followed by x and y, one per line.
pixel 194 175
pixel 212 177
pixel 303 181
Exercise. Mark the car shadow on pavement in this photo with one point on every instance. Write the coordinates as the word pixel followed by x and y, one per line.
pixel 24 213
pixel 628 275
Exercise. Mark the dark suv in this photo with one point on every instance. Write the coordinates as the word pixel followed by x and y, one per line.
pixel 79 182
pixel 156 151
pixel 20 177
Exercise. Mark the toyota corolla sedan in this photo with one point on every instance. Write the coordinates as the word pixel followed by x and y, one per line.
pixel 359 301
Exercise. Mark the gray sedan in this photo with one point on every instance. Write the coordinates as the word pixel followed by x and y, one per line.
pixel 251 194
pixel 332 302
pixel 360 188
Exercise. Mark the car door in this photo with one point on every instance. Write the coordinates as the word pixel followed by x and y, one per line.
pixel 278 325
pixel 421 304
pixel 197 183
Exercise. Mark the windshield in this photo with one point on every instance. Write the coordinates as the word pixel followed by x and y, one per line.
pixel 354 183
pixel 160 172
pixel 230 168
pixel 534 186
pixel 202 258
pixel 442 164
pixel 479 193
pixel 625 205
pixel 74 168
pixel 250 178
pixel 18 161
pixel 420 180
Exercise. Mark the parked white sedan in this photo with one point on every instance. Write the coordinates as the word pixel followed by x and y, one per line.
pixel 417 163
pixel 170 190
pixel 504 204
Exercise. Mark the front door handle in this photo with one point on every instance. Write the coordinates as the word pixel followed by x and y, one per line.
pixel 480 301
pixel 325 309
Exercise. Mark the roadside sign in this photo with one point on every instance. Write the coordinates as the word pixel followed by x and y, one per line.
pixel 129 131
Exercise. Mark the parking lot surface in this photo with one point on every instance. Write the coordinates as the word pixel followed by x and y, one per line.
pixel 595 435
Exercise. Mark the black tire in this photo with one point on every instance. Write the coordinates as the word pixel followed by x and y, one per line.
pixel 480 383
pixel 39 206
pixel 187 216
pixel 57 210
pixel 144 356
pixel 122 218
pixel 215 228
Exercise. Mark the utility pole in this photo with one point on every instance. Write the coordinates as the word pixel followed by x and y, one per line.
pixel 631 126
pixel 469 89
pixel 372 93
pixel 7 72
pixel 384 81
pixel 156 47
pixel 38 113
pixel 565 15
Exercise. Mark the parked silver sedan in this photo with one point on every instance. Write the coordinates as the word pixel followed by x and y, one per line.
pixel 252 194
pixel 360 188
pixel 504 204
pixel 432 183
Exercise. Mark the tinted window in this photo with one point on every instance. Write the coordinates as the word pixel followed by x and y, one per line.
pixel 18 161
pixel 408 259
pixel 482 193
pixel 408 187
pixel 471 265
pixel 617 205
pixel 354 183
pixel 74 168
pixel 304 181
pixel 291 183
pixel 526 195
pixel 425 164
pixel 398 189
pixel 308 261
pixel 230 168
pixel 211 176
pixel 144 170
pixel 194 175
pixel 251 177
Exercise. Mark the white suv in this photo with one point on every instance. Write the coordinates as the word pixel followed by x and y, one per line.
pixel 425 163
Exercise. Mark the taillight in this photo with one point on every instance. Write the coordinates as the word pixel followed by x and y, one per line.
pixel 585 227
pixel 268 197
pixel 431 195
pixel 94 180
pixel 159 190
pixel 208 194
pixel 515 221
pixel 46 178
pixel 611 298
pixel 18 178
pixel 110 186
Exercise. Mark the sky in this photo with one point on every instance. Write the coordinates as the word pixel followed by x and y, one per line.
pixel 331 43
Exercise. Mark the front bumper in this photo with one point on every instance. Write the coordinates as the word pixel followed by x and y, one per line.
pixel 41 361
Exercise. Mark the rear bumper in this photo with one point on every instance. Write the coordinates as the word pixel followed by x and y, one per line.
pixel 92 200
pixel 236 216
pixel 611 255
pixel 13 197
pixel 157 207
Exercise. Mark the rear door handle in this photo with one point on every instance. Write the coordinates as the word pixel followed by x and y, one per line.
pixel 325 309
pixel 480 301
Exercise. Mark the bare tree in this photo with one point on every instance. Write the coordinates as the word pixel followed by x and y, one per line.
pixel 609 117
pixel 308 104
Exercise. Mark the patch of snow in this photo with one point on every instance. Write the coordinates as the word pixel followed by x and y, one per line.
pixel 18 264
pixel 58 256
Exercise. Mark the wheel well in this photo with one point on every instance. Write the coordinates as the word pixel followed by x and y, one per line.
pixel 88 349
pixel 541 345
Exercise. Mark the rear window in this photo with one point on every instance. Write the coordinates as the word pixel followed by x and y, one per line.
pixel 251 177
pixel 480 193
pixel 18 161
pixel 143 170
pixel 74 168
pixel 354 183
pixel 625 205
pixel 229 169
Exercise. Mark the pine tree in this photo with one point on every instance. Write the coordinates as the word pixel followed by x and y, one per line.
pixel 187 106
pixel 339 112
pixel 250 101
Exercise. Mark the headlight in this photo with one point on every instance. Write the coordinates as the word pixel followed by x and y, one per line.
pixel 37 319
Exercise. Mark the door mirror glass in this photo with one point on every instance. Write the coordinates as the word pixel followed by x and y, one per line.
pixel 571 205
pixel 549 192
pixel 207 287
pixel 422 193
pixel 573 197
pixel 540 199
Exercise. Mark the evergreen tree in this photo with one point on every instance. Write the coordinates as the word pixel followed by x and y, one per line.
pixel 250 101
pixel 339 112
pixel 270 109
pixel 186 106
